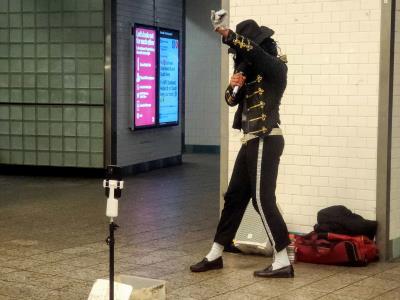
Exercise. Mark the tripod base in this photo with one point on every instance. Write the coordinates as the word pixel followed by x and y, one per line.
pixel 125 287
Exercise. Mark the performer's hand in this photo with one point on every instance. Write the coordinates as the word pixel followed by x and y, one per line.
pixel 223 31
pixel 237 79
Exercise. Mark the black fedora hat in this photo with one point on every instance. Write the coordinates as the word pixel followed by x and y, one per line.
pixel 251 30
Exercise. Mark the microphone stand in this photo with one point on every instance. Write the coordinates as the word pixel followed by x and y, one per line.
pixel 113 187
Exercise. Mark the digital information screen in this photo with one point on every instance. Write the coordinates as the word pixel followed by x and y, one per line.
pixel 168 77
pixel 145 73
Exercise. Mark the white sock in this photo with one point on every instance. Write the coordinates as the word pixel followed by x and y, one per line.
pixel 215 252
pixel 281 259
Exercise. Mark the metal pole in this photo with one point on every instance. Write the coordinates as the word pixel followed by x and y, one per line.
pixel 111 242
pixel 111 261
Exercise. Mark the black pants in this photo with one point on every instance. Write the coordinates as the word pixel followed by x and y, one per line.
pixel 254 176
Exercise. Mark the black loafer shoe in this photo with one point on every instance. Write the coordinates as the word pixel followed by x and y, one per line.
pixel 285 272
pixel 206 265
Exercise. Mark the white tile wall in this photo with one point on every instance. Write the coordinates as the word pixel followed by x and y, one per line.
pixel 203 61
pixel 330 108
pixel 394 231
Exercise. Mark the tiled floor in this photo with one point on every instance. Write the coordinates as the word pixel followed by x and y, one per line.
pixel 53 230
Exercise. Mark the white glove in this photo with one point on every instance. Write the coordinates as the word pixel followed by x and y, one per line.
pixel 219 19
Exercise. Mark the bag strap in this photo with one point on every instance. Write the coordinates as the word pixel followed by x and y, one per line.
pixel 342 237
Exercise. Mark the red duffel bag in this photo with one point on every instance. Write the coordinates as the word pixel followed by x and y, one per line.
pixel 335 249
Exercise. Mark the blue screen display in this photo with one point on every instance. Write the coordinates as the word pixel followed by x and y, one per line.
pixel 169 77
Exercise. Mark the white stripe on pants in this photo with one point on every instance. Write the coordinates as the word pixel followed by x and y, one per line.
pixel 258 186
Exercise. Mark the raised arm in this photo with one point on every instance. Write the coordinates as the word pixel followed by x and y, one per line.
pixel 272 67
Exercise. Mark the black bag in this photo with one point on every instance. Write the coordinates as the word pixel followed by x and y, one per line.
pixel 339 219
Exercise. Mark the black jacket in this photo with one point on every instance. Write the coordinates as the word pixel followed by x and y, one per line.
pixel 339 219
pixel 263 90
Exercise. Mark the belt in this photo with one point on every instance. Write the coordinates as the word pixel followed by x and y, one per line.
pixel 249 136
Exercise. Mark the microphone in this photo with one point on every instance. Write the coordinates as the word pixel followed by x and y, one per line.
pixel 236 88
pixel 240 69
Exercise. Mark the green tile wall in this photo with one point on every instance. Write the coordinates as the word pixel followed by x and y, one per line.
pixel 51 82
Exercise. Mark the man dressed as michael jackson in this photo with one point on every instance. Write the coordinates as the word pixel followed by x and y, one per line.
pixel 261 77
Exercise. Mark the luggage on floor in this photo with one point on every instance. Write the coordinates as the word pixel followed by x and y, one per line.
pixel 339 219
pixel 335 249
